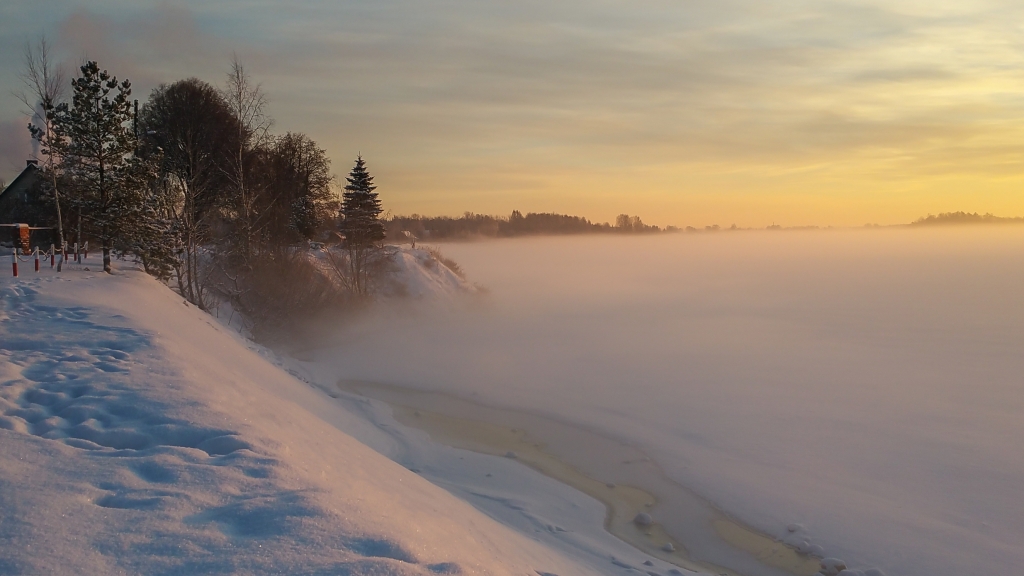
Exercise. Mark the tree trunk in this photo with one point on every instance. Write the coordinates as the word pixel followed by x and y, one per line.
pixel 106 250
pixel 56 201
pixel 199 301
pixel 190 272
pixel 78 233
pixel 181 281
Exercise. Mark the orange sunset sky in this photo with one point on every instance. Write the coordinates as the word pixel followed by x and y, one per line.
pixel 684 112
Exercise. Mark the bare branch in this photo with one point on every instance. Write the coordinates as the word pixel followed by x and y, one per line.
pixel 46 85
pixel 249 103
pixel 45 81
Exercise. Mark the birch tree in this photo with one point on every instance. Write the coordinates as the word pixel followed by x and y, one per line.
pixel 248 104
pixel 45 83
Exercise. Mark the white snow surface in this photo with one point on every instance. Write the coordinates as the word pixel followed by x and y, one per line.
pixel 413 273
pixel 862 388
pixel 417 273
pixel 138 436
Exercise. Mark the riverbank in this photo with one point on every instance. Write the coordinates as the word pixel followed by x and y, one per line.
pixel 627 481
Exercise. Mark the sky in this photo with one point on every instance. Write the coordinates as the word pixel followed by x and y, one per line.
pixel 684 112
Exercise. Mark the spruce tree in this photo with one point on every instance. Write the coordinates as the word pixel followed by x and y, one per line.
pixel 360 209
pixel 361 225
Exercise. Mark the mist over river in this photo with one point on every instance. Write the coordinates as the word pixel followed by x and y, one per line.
pixel 865 384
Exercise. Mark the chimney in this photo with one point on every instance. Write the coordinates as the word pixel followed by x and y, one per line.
pixel 31 163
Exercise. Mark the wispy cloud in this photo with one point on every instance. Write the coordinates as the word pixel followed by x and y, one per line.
pixel 477 104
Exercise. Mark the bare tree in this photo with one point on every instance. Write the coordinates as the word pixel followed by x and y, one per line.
pixel 45 81
pixel 298 199
pixel 192 126
pixel 248 103
pixel 45 86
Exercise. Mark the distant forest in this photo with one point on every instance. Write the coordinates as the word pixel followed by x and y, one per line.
pixel 471 225
pixel 965 218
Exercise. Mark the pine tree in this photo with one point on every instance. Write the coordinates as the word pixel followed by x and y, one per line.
pixel 361 225
pixel 109 183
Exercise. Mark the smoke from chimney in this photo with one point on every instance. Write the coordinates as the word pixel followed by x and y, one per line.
pixel 39 121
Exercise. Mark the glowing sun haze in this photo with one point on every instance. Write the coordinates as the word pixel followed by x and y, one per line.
pixel 685 112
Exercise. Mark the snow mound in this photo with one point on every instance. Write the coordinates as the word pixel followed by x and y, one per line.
pixel 420 273
pixel 643 519
pixel 405 272
pixel 138 436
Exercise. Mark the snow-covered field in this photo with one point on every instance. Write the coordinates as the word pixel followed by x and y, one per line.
pixel 865 385
pixel 137 436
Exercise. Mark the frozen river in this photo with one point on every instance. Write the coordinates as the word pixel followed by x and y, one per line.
pixel 865 385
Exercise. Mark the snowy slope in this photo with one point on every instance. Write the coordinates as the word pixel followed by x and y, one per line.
pixel 137 436
pixel 419 274
pixel 413 273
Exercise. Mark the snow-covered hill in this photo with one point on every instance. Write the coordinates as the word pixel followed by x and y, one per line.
pixel 420 273
pixel 139 436
pixel 417 273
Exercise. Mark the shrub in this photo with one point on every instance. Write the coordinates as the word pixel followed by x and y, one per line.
pixel 448 262
pixel 281 291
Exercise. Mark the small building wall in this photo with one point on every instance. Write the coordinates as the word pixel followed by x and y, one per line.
pixel 25 202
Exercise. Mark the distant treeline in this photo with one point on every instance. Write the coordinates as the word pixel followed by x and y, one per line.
pixel 965 218
pixel 471 225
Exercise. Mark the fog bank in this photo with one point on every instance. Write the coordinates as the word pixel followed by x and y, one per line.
pixel 866 384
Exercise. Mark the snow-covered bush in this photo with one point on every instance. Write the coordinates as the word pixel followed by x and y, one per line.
pixel 280 291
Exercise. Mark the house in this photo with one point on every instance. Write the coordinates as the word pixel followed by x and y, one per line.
pixel 25 204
